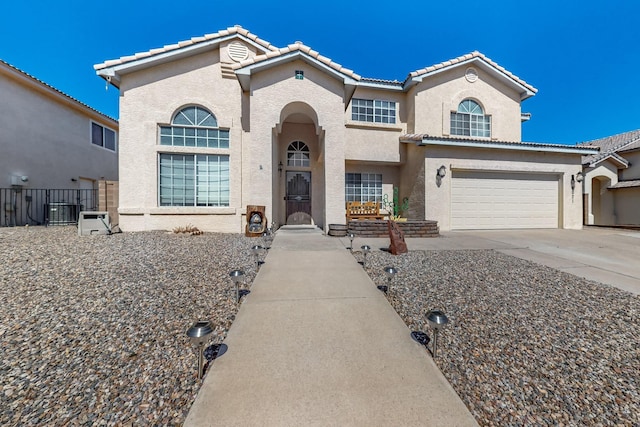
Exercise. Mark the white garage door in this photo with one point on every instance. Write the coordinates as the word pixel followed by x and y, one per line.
pixel 492 200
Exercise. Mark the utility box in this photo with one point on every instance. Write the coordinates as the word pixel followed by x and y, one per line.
pixel 93 222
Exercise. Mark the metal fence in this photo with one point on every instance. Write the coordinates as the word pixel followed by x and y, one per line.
pixel 22 206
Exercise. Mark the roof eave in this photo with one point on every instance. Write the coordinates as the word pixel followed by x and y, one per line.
pixel 244 73
pixel 524 90
pixel 113 73
pixel 502 145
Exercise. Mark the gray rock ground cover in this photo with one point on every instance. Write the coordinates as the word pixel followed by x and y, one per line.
pixel 526 344
pixel 93 329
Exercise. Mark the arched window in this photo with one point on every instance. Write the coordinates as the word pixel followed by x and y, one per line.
pixel 298 154
pixel 194 127
pixel 194 179
pixel 470 120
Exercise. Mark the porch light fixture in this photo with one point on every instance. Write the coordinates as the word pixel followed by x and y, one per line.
pixel 390 272
pixel 280 167
pixel 365 251
pixel 256 252
pixel 199 334
pixel 442 171
pixel 437 320
pixel 573 183
pixel 351 236
pixel 579 177
pixel 236 276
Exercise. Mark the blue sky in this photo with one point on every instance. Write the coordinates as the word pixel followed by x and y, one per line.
pixel 581 56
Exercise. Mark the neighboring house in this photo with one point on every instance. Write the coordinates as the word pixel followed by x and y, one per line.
pixel 49 140
pixel 216 123
pixel 612 180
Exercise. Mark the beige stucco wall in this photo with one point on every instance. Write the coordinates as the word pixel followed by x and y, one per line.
pixel 627 206
pixel 438 96
pixel 47 137
pixel 151 97
pixel 600 200
pixel 271 92
pixel 438 198
pixel 633 171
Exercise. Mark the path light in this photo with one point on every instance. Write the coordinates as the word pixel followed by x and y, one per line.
pixel 365 251
pixel 437 320
pixel 390 272
pixel 236 276
pixel 256 252
pixel 351 236
pixel 199 334
pixel 267 237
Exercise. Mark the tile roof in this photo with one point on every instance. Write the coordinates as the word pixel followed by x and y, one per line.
pixel 467 57
pixel 297 47
pixel 414 137
pixel 274 52
pixel 612 145
pixel 626 184
pixel 51 88
pixel 237 29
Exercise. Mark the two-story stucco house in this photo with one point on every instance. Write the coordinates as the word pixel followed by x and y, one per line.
pixel 216 123
pixel 49 141
pixel 612 181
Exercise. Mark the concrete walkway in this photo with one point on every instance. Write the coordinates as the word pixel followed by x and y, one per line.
pixel 316 344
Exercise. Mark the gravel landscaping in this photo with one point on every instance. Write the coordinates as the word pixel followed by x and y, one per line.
pixel 526 344
pixel 93 329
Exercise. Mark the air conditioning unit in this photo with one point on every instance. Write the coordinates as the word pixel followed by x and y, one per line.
pixel 93 222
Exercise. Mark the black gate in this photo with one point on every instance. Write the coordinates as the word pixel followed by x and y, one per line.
pixel 22 206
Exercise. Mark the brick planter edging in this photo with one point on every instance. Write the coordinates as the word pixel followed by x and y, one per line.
pixel 376 228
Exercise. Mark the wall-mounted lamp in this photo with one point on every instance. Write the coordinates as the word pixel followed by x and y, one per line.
pixel 442 171
pixel 579 177
pixel 573 183
pixel 280 168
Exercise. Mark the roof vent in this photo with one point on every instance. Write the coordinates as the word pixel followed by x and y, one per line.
pixel 471 75
pixel 238 51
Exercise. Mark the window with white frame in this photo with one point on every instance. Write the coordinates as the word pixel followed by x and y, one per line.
pixel 373 110
pixel 194 127
pixel 363 187
pixel 103 137
pixel 193 180
pixel 298 154
pixel 470 120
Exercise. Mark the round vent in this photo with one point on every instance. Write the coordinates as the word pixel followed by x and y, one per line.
pixel 471 75
pixel 238 52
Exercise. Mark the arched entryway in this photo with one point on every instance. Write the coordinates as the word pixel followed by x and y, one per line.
pixel 298 186
pixel 602 203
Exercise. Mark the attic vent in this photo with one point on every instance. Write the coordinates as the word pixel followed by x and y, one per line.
pixel 238 52
pixel 471 75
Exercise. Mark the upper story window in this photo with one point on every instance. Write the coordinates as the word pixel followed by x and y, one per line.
pixel 373 110
pixel 103 137
pixel 194 127
pixel 470 120
pixel 298 154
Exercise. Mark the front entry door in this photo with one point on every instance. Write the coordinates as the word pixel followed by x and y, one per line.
pixel 298 198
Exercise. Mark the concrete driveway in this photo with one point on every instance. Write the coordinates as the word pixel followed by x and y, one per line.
pixel 609 256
